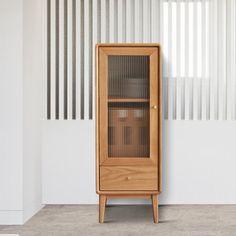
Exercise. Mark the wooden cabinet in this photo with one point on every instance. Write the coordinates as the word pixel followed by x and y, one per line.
pixel 128 122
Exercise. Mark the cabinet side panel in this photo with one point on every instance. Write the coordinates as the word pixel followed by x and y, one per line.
pixel 103 116
pixel 160 117
pixel 97 118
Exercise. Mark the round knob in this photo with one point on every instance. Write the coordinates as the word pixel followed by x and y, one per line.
pixel 154 107
pixel 128 178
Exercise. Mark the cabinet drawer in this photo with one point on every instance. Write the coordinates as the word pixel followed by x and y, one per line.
pixel 128 178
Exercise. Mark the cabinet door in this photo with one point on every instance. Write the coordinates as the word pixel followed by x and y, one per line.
pixel 128 105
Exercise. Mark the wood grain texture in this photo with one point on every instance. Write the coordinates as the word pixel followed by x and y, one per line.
pixel 102 206
pixel 103 113
pixel 160 118
pixel 155 208
pixel 128 100
pixel 128 45
pixel 127 161
pixel 104 50
pixel 142 196
pixel 114 174
pixel 128 192
pixel 97 119
pixel 128 178
pixel 154 102
pixel 134 51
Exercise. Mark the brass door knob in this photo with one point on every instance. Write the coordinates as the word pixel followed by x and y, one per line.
pixel 154 107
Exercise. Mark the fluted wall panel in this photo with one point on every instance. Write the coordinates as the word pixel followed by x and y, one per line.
pixel 198 40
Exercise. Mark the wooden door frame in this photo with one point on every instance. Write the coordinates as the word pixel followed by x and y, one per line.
pixel 151 50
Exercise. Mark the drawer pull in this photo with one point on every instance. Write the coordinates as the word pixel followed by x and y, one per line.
pixel 128 178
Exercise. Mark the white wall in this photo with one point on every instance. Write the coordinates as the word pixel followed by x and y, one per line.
pixel 198 155
pixel 68 162
pixel 198 162
pixel 20 107
pixel 11 107
pixel 32 106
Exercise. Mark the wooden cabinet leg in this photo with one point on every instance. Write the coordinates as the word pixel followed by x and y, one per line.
pixel 102 205
pixel 155 208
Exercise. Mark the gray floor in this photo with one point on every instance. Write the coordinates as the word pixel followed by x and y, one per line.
pixel 82 220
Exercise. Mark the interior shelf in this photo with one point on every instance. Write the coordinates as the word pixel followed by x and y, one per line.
pixel 128 100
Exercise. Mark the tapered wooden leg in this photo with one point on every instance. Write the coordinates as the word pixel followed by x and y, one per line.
pixel 155 208
pixel 102 205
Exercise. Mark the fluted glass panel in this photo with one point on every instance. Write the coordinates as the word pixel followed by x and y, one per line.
pixel 128 106
pixel 128 76
pixel 128 129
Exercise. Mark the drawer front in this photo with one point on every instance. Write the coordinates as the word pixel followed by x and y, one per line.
pixel 128 178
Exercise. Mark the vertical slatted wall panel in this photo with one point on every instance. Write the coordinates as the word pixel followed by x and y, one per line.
pixel 69 59
pixel 198 39
pixel 86 58
pixel 48 60
pixel 78 60
pixel 53 59
pixel 203 62
pixel 232 60
pixel 61 59
pixel 169 60
pixel 194 84
pixel 186 62
pixel 177 113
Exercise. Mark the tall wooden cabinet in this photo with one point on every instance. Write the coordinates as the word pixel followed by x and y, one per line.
pixel 128 127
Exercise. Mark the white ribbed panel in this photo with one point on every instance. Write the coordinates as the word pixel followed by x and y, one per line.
pixel 232 62
pixel 86 55
pixel 78 58
pixel 69 53
pixel 198 39
pixel 112 22
pixel 146 21
pixel 94 22
pixel 212 60
pixel 128 21
pixel 221 59
pixel 186 63
pixel 195 48
pixel 53 59
pixel 45 47
pixel 154 19
pixel 137 19
pixel 203 105
pixel 104 21
pixel 169 60
pixel 177 113
pixel 61 60
pixel 120 21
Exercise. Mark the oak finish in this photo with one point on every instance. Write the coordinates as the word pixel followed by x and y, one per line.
pixel 102 205
pixel 155 207
pixel 127 100
pixel 128 176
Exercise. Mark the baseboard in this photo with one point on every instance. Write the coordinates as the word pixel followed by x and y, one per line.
pixel 31 212
pixel 11 217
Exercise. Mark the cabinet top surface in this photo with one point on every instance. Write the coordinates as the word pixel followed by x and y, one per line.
pixel 128 45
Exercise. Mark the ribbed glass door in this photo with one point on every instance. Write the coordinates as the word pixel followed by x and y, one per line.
pixel 128 106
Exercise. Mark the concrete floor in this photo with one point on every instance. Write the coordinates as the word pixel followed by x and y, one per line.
pixel 82 220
